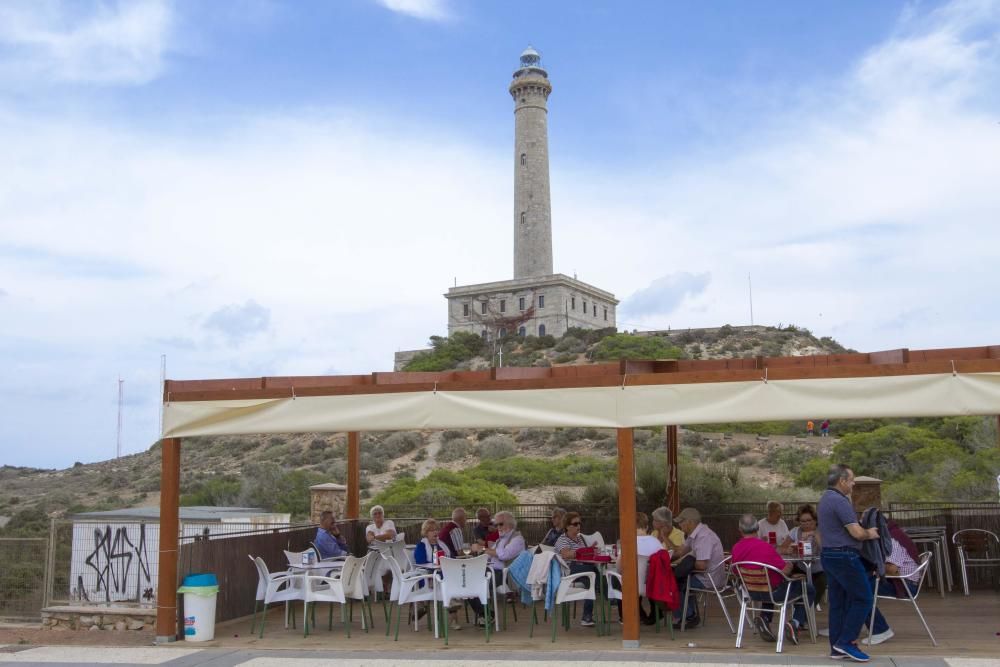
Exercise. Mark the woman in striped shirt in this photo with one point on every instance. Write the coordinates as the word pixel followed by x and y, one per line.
pixel 566 546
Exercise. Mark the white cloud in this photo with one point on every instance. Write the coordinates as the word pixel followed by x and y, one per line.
pixel 428 10
pixel 73 42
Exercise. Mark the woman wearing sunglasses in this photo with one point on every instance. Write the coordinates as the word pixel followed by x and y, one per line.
pixel 566 546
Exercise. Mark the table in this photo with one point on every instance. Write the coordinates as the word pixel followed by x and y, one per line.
pixel 805 561
pixel 935 538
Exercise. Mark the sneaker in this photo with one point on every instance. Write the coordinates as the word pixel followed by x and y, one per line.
pixel 879 637
pixel 836 656
pixel 792 632
pixel 587 622
pixel 455 625
pixel 825 632
pixel 688 624
pixel 764 630
pixel 853 652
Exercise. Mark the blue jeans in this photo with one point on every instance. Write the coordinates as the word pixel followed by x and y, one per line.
pixel 799 612
pixel 887 589
pixel 696 584
pixel 850 593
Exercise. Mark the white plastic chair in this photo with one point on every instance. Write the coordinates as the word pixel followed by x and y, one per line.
pixel 545 547
pixel 464 579
pixel 295 557
pixel 727 590
pixel 568 592
pixel 976 548
pixel 279 587
pixel 595 539
pixel 615 585
pixel 324 589
pixel 409 588
pixel 356 588
pixel 754 577
pixel 911 597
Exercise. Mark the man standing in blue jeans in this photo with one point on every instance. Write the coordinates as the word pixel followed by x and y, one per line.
pixel 849 583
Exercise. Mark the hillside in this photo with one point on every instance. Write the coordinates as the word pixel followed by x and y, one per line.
pixel 274 470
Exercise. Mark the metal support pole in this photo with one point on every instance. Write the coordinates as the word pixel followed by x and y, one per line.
pixel 353 475
pixel 673 490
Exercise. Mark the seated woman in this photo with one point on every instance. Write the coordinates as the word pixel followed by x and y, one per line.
pixel 664 529
pixel 424 554
pixel 646 545
pixel 556 530
pixel 566 546
pixel 807 531
pixel 380 531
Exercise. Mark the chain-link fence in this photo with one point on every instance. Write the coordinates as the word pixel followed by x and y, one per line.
pixel 22 577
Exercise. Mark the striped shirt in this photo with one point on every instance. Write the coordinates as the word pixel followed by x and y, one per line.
pixel 902 560
pixel 566 542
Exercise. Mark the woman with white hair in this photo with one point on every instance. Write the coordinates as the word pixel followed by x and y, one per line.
pixel 380 529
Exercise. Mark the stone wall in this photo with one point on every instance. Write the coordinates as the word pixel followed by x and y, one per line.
pixel 323 497
pixel 93 618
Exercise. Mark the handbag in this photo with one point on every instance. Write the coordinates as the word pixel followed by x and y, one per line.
pixel 586 553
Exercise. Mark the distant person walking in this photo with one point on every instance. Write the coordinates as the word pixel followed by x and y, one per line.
pixel 824 428
pixel 810 427
pixel 849 584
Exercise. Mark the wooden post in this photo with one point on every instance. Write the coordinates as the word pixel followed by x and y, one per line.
pixel 166 581
pixel 353 475
pixel 629 557
pixel 673 490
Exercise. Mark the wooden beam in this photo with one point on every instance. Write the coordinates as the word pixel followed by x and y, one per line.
pixel 673 487
pixel 166 581
pixel 353 475
pixel 629 562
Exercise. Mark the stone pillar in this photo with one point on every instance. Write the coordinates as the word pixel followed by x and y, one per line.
pixel 324 497
pixel 867 493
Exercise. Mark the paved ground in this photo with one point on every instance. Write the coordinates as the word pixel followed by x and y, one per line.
pixel 178 656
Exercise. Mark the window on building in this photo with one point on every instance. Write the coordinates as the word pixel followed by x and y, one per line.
pixel 524 217
pixel 541 300
pixel 465 310
pixel 605 314
pixel 503 332
pixel 521 332
pixel 524 159
pixel 503 305
pixel 584 307
pixel 541 329
pixel 520 303
pixel 482 307
pixel 572 303
pixel 595 310
pixel 484 334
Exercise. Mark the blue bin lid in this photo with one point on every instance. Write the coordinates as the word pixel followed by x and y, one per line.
pixel 201 580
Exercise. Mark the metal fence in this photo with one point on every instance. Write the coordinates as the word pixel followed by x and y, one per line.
pixel 22 577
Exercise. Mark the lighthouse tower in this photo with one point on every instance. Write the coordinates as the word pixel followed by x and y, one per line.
pixel 532 205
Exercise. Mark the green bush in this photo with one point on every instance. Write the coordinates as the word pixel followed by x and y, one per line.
pixel 627 346
pixel 496 447
pixel 448 352
pixel 454 449
pixel 519 471
pixel 443 487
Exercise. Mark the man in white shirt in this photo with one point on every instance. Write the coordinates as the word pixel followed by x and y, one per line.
pixel 773 524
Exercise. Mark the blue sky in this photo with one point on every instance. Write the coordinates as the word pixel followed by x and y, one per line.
pixel 270 188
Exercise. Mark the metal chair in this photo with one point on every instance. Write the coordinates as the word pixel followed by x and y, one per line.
pixel 727 590
pixel 755 577
pixel 976 548
pixel 925 559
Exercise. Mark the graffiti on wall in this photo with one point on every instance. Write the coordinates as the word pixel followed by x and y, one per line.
pixel 121 564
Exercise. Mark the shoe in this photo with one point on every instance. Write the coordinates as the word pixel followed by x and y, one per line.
pixel 689 624
pixel 481 621
pixel 792 632
pixel 836 656
pixel 648 620
pixel 455 625
pixel 825 632
pixel 853 652
pixel 879 637
pixel 764 630
pixel 587 622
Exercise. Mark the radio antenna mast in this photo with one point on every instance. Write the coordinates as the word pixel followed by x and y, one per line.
pixel 121 401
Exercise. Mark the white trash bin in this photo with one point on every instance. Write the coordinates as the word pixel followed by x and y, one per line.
pixel 200 592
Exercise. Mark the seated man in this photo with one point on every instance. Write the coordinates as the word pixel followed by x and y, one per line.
pixel 899 563
pixel 484 527
pixel 328 540
pixel 508 546
pixel 556 530
pixel 773 524
pixel 752 548
pixel 452 532
pixel 705 547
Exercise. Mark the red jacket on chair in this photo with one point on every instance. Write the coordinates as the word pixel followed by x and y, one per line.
pixel 661 585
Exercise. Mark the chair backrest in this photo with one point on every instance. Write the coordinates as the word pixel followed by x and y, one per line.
pixel 397 550
pixel 724 566
pixel 755 578
pixel 925 559
pixel 397 574
pixel 595 539
pixel 978 542
pixel 295 557
pixel 262 576
pixel 353 576
pixel 643 571
pixel 462 578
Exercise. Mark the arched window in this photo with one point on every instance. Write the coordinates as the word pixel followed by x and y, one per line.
pixel 521 332
pixel 541 329
pixel 524 159
pixel 524 217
